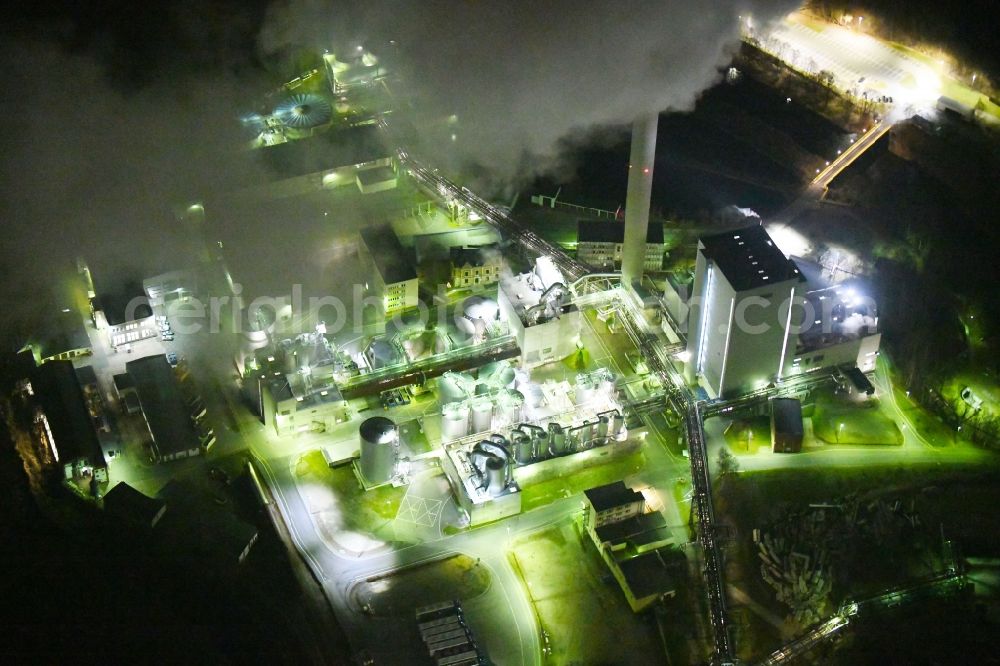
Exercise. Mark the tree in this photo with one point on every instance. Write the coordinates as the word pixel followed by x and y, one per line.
pixel 728 464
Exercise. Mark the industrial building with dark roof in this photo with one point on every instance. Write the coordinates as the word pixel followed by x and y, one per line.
pixel 329 150
pixel 612 496
pixel 130 506
pixel 57 393
pixel 390 259
pixel 748 258
pixel 163 407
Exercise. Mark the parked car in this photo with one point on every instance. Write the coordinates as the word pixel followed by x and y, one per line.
pixel 172 359
pixel 167 337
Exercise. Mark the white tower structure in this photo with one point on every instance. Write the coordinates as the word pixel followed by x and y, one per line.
pixel 640 188
pixel 739 329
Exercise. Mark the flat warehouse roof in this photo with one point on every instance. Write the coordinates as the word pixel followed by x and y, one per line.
pixel 163 405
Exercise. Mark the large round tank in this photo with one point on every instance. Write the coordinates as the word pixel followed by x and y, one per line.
pixel 496 475
pixel 454 421
pixel 453 387
pixel 496 375
pixel 585 389
pixel 382 354
pixel 482 415
pixel 508 407
pixel 303 111
pixel 379 441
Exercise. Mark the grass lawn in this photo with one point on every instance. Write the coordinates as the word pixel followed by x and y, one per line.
pixel 589 472
pixel 747 436
pixel 337 491
pixel 837 422
pixel 398 593
pixel 578 604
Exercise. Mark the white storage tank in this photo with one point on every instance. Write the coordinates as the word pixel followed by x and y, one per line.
pixel 508 407
pixel 454 421
pixel 453 387
pixel 558 443
pixel 617 424
pixel 379 447
pixel 482 415
pixel 585 389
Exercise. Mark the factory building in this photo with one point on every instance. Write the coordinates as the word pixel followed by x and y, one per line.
pixel 62 337
pixel 293 384
pixel 599 244
pixel 488 465
pixel 786 425
pixel 378 179
pixel 166 288
pixel 330 159
pixel 391 277
pixel 843 330
pixel 61 426
pixel 754 316
pixel 203 532
pixel 167 415
pixel 633 543
pixel 124 317
pixel 740 322
pixel 474 266
pixel 538 309
pixel 612 503
pixel 128 505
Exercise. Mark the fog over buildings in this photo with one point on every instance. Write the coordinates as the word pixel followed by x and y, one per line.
pixel 114 119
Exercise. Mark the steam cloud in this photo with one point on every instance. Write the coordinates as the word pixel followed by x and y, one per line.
pixel 520 75
pixel 113 118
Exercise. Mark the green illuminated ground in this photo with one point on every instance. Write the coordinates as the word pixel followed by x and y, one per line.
pixel 838 422
pixel 578 604
pixel 455 577
pixel 576 478
pixel 344 514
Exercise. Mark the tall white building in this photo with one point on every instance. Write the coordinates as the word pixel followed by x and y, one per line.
pixel 740 323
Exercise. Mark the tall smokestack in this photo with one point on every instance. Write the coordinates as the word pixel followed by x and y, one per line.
pixel 640 187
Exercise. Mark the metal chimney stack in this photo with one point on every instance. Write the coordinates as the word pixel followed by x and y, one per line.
pixel 640 188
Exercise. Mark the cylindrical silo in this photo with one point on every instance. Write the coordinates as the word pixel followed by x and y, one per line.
pixel 496 475
pixel 617 424
pixel 452 387
pixel 379 442
pixel 603 424
pixel 523 447
pixel 585 389
pixel 557 439
pixel 482 415
pixel 454 421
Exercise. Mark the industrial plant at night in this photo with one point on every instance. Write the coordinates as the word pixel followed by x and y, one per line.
pixel 490 334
